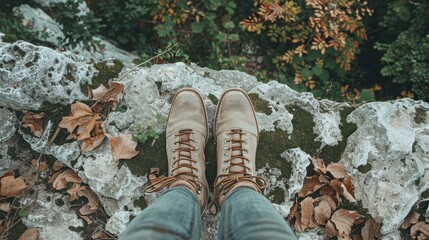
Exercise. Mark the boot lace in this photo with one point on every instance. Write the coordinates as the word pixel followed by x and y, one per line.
pixel 237 170
pixel 183 166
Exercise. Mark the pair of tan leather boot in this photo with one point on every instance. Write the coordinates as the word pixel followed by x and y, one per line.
pixel 236 133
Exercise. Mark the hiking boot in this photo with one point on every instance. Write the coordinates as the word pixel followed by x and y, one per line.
pixel 236 133
pixel 186 134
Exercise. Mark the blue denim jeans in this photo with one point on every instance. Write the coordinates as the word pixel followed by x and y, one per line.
pixel 176 214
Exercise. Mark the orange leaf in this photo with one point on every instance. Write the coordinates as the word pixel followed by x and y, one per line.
pixel 42 165
pixel 123 147
pixel 102 94
pixel 30 234
pixel 89 144
pixel 59 181
pixel 83 117
pixel 57 165
pixel 349 184
pixel 307 210
pixel 34 122
pixel 11 186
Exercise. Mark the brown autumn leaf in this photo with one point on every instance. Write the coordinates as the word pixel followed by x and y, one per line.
pixel 57 165
pixel 322 212
pixel 337 170
pixel 341 189
pixel 330 192
pixel 343 220
pixel 349 184
pixel 103 94
pixel 11 186
pixel 312 184
pixel 330 229
pixel 59 180
pixel 97 137
pixel 83 118
pixel 319 165
pixel 34 122
pixel 123 147
pixel 307 211
pixel 100 235
pixel 298 226
pixel 5 207
pixel 411 218
pixel 73 191
pixel 42 165
pixel 93 202
pixel 87 219
pixel 328 200
pixel 293 210
pixel 30 234
pixel 371 230
pixel 422 228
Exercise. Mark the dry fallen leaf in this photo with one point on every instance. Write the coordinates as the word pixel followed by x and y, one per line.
pixel 59 180
pixel 411 218
pixel 371 230
pixel 11 186
pixel 298 226
pixel 5 207
pixel 293 210
pixel 322 212
pixel 103 94
pixel 319 165
pixel 330 192
pixel 30 234
pixel 341 189
pixel 307 210
pixel 87 219
pixel 329 200
pixel 100 235
pixel 57 165
pixel 312 184
pixel 337 170
pixel 330 229
pixel 42 165
pixel 82 117
pixel 95 140
pixel 420 227
pixel 343 220
pixel 73 191
pixel 123 147
pixel 34 122
pixel 93 202
pixel 349 184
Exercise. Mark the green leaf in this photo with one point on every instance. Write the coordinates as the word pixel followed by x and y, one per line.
pixel 306 73
pixel 229 25
pixel 317 71
pixel 221 37
pixel 325 75
pixel 197 27
pixel 234 37
pixel 367 95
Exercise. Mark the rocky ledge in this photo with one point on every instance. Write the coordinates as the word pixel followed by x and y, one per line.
pixel 383 145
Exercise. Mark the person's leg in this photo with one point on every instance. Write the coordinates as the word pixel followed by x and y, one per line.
pixel 247 214
pixel 176 214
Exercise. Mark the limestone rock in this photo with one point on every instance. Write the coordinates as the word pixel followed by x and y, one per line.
pixel 32 75
pixel 52 220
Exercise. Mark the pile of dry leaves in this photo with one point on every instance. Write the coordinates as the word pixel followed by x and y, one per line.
pixel 321 204
pixel 417 225
pixel 85 125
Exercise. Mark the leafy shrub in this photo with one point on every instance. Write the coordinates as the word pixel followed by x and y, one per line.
pixel 406 56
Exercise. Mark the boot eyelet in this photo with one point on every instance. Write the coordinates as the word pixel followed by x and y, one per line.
pixel 172 165
pixel 245 142
pixel 246 151
pixel 226 148
pixel 199 178
pixel 225 162
pixel 193 132
pixel 223 170
pixel 226 141
pixel 195 148
pixel 225 155
pixel 195 140
pixel 247 160
pixel 196 170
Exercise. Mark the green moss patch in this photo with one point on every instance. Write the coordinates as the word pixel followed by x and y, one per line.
pixel 107 71
pixel 333 153
pixel 277 195
pixel 365 168
pixel 259 104
pixel 213 99
pixel 420 116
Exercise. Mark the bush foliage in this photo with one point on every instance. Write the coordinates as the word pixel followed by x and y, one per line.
pixel 337 49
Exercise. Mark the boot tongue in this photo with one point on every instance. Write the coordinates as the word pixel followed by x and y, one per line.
pixel 234 145
pixel 184 154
